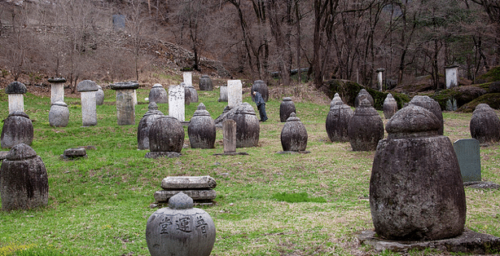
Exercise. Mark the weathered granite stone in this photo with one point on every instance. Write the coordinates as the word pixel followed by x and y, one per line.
pixel 431 105
pixel 3 155
pixel 187 95
pixel 165 135
pixel 201 129
pixel 145 124
pixel 198 195
pixel 227 113
pixel 56 89
pixel 15 90
pixel 74 153
pixel 223 95
pixel 187 78
pixel 261 87
pixel 469 159
pixel 188 182
pixel 294 135
pixel 365 128
pixel 176 101
pixel 234 92
pixel 337 122
pixel 59 114
pixel 229 136
pixel 23 184
pixel 286 108
pixel 99 96
pixel 17 128
pixel 336 98
pixel 192 94
pixel 416 190
pixel 484 124
pixel 158 94
pixel 390 106
pixel 180 229
pixel 481 185
pixel 247 126
pixel 125 107
pixel 88 88
pixel 206 83
pixel 363 94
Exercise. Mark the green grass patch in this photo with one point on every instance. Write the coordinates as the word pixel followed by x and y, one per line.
pixel 297 198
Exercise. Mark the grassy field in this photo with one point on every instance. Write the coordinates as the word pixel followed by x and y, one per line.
pixel 100 205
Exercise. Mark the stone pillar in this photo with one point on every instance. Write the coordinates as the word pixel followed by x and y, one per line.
pixel 176 99
pixel 88 90
pixel 223 94
pixel 229 135
pixel 56 89
pixel 188 78
pixel 15 90
pixel 451 76
pixel 380 71
pixel 234 89
pixel 125 108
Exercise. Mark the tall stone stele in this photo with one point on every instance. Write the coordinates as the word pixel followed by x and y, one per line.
pixel 23 184
pixel 176 101
pixel 99 96
pixel 286 108
pixel 158 94
pixel 56 89
pixel 223 95
pixel 88 89
pixel 261 87
pixel 484 124
pixel 416 189
pixel 201 129
pixel 365 128
pixel 17 128
pixel 125 107
pixel 180 229
pixel 390 106
pixel 337 122
pixel 363 94
pixel 59 114
pixel 16 91
pixel 247 126
pixel 294 134
pixel 206 83
pixel 145 124
pixel 166 138
pixel 234 93
pixel 431 105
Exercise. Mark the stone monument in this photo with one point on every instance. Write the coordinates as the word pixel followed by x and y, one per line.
pixel 16 90
pixel 99 96
pixel 158 94
pixel 56 89
pixel 125 107
pixel 199 188
pixel 223 94
pixel 193 95
pixel 59 114
pixel 431 105
pixel 337 122
pixel 145 124
pixel 206 83
pixel 484 124
pixel 363 94
pixel 234 88
pixel 380 80
pixel 390 106
pixel 365 128
pixel 166 138
pixel 286 108
pixel 176 102
pixel 187 78
pixel 293 135
pixel 469 159
pixel 17 128
pixel 451 76
pixel 88 89
pixel 247 126
pixel 201 129
pixel 261 87
pixel 335 99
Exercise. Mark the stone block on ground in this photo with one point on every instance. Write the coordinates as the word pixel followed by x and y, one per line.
pixel 74 153
pixel 188 182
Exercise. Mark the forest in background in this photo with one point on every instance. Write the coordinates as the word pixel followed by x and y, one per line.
pixel 340 39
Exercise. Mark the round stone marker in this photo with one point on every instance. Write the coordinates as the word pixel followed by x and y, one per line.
pixel 416 189
pixel 247 126
pixel 180 229
pixel 431 105
pixel 166 137
pixel 59 114
pixel 17 128
pixel 206 83
pixel 294 134
pixel 484 124
pixel 201 129
pixel 365 128
pixel 337 122
pixel 286 108
pixel 390 106
pixel 145 124
pixel 158 94
pixel 99 96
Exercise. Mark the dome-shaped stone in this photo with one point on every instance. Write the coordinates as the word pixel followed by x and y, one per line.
pixel 59 114
pixel 431 105
pixel 286 108
pixel 416 189
pixel 363 94
pixel 337 122
pixel 365 128
pixel 158 94
pixel 145 124
pixel 193 95
pixel 390 106
pixel 99 96
pixel 247 126
pixel 261 87
pixel 166 135
pixel 87 86
pixel 23 184
pixel 206 83
pixel 17 128
pixel 336 98
pixel 16 88
pixel 484 124
pixel 180 229
pixel 294 134
pixel 201 129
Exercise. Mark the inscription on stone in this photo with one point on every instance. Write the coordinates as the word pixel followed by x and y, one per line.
pixel 164 224
pixel 234 88
pixel 184 224
pixel 202 225
pixel 469 159
pixel 176 102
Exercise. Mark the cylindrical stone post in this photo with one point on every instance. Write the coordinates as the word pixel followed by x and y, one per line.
pixel 15 90
pixel 188 78
pixel 229 135
pixel 99 96
pixel 135 97
pixel 125 108
pixel 380 80
pixel 56 89
pixel 59 114
pixel 88 89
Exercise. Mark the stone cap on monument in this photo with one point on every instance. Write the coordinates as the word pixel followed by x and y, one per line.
pixel 16 88
pixel 413 121
pixel 205 76
pixel 452 66
pixel 153 109
pixel 125 85
pixel 180 201
pixel 483 107
pixel 87 86
pixel 57 80
pixel 380 70
pixel 20 152
pixel 201 110
pixel 245 109
pixel 157 86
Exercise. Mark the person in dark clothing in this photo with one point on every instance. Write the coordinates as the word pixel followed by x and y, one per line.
pixel 261 105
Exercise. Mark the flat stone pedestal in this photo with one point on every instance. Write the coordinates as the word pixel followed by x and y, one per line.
pixel 199 188
pixel 468 242
pixel 293 152
pixel 481 185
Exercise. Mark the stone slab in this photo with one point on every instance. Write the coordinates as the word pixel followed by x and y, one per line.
pixel 75 152
pixel 89 108
pixel 155 155
pixel 176 107
pixel 188 182
pixel 481 185
pixel 469 159
pixel 234 93
pixel 164 195
pixel 468 242
pixel 125 108
pixel 188 78
pixel 223 94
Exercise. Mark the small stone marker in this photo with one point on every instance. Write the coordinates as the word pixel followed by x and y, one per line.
pixel 59 114
pixel 88 90
pixel 125 108
pixel 229 138
pixel 206 83
pixel 469 159
pixel 118 22
pixel 176 101
pixel 17 128
pixel 223 94
pixel 286 108
pixel 484 124
pixel 390 106
pixel 145 124
pixel 234 88
pixel 166 138
pixel 74 153
pixel 201 129
pixel 56 89
pixel 293 136
pixel 99 96
pixel 158 94
pixel 380 80
pixel 200 188
pixel 188 78
pixel 193 95
pixel 451 76
pixel 15 90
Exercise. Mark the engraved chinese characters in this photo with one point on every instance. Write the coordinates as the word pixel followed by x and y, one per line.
pixel 180 229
